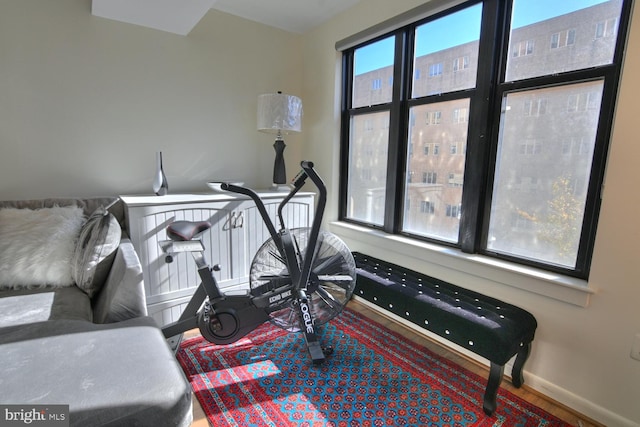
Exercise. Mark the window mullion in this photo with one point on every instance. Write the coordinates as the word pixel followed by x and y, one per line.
pixel 397 138
pixel 478 145
pixel 347 91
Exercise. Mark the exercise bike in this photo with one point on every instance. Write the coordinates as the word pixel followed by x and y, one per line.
pixel 299 279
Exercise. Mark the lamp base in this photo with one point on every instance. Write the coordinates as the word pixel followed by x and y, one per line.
pixel 279 170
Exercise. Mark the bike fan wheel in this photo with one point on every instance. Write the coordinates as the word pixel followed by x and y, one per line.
pixel 330 285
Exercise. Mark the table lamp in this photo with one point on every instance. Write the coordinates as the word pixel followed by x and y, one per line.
pixel 279 114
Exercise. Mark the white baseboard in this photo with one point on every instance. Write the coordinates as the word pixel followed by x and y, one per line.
pixel 542 386
pixel 577 403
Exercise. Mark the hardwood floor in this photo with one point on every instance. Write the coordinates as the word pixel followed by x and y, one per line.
pixel 555 408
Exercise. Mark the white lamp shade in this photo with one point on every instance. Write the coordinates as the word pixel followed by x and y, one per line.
pixel 278 112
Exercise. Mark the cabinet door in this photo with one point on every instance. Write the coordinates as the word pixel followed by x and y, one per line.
pixel 251 232
pixel 170 286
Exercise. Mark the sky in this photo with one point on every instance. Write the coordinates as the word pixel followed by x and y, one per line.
pixel 463 27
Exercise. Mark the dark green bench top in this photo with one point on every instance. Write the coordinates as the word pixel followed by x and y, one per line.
pixel 483 325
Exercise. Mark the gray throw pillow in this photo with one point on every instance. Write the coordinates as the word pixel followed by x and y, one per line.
pixel 96 248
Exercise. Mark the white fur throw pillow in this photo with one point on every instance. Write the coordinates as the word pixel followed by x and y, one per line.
pixel 36 246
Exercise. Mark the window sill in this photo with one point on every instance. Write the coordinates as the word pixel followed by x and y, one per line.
pixel 563 288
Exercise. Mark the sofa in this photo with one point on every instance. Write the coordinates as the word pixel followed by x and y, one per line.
pixel 74 329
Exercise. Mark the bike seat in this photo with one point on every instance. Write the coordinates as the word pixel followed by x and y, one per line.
pixel 186 230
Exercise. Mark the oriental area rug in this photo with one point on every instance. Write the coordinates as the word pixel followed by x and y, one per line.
pixel 375 377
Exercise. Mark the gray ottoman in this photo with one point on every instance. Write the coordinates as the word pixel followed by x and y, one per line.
pixel 109 374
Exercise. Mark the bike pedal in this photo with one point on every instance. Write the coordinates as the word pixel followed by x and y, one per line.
pixel 316 352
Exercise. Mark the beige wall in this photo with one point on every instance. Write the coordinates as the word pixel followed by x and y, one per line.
pixel 85 102
pixel 580 355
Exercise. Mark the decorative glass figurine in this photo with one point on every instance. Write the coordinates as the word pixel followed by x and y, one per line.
pixel 160 184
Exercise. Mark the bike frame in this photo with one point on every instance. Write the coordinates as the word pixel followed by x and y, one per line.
pixel 252 311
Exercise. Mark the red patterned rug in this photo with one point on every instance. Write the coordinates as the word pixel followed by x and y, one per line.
pixel 375 377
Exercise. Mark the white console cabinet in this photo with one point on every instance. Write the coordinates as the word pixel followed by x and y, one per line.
pixel 236 234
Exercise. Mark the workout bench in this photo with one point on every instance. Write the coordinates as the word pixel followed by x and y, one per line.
pixel 483 325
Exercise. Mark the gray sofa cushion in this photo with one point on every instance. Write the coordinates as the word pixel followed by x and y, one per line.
pixel 115 374
pixel 122 296
pixel 19 307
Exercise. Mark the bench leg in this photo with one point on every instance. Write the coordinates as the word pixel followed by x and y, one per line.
pixel 516 372
pixel 491 392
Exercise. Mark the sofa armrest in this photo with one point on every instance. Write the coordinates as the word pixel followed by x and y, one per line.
pixel 122 296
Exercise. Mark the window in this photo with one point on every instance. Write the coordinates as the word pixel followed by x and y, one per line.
pixel 367 91
pixel 461 63
pixel 571 37
pixel 453 211
pixel 435 69
pixel 523 48
pixel 434 117
pixel 529 147
pixel 431 149
pixel 606 28
pixel 427 207
pixel 429 177
pixel 563 38
pixel 535 107
pixel 583 100
pixel 576 147
pixel 524 140
pixel 460 115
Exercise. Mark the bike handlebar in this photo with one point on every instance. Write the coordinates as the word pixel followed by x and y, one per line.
pixel 307 172
pixel 259 204
pixel 298 181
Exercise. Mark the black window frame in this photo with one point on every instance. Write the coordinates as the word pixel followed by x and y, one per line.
pixel 483 130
